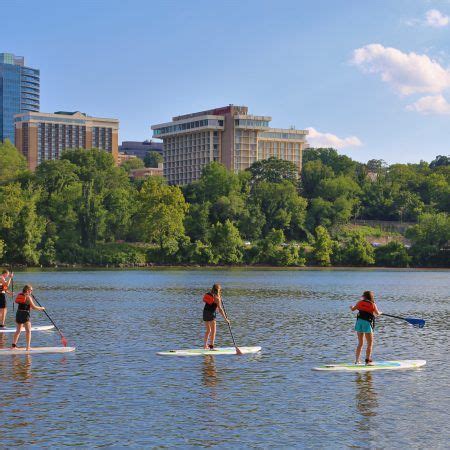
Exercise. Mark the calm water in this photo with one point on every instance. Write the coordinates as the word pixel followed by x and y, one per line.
pixel 115 392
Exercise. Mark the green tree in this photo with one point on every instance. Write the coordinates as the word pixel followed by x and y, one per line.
pixel 226 243
pixel 340 164
pixel 274 170
pixel 313 173
pixel 131 164
pixel 282 207
pixel 197 221
pixel 152 159
pixel 323 247
pixel 352 249
pixel 393 254
pixel 430 239
pixel 12 162
pixel 161 212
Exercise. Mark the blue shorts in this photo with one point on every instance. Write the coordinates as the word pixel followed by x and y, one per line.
pixel 363 326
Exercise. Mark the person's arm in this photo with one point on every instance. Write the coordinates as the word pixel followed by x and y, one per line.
pixel 377 311
pixel 33 305
pixel 353 308
pixel 218 302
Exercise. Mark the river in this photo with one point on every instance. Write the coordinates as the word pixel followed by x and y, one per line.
pixel 114 391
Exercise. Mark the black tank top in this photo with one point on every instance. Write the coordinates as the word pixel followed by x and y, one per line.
pixel 23 307
pixel 210 308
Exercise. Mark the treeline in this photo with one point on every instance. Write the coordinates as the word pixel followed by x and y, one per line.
pixel 83 209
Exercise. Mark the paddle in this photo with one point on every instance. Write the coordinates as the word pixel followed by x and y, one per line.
pixel 420 323
pixel 12 287
pixel 238 352
pixel 63 339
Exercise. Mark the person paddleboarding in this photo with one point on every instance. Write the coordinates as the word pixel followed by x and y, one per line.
pixel 25 303
pixel 365 324
pixel 213 303
pixel 5 280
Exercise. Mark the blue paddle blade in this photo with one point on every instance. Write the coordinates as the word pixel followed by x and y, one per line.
pixel 420 323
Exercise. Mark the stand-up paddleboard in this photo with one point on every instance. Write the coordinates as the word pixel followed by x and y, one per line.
pixel 377 365
pixel 217 351
pixel 34 350
pixel 37 328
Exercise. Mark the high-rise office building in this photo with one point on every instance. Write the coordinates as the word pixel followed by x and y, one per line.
pixel 42 136
pixel 19 92
pixel 229 135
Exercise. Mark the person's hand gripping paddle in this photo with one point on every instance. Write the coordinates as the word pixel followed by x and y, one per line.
pixel 238 352
pixel 63 339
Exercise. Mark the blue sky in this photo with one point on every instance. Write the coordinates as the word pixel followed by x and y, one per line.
pixel 371 78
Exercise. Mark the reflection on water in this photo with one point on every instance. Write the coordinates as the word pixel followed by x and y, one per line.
pixel 209 372
pixel 366 397
pixel 115 392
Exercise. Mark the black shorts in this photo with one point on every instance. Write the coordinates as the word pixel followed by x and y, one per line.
pixel 2 300
pixel 22 316
pixel 208 315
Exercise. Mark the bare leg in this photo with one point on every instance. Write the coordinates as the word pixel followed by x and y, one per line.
pixel 27 326
pixel 3 312
pixel 207 332
pixel 369 339
pixel 17 334
pixel 213 332
pixel 359 347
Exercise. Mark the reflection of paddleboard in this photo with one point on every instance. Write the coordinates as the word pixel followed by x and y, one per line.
pixel 38 328
pixel 217 351
pixel 22 351
pixel 377 365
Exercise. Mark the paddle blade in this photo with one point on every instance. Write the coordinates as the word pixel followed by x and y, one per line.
pixel 238 352
pixel 420 323
pixel 64 341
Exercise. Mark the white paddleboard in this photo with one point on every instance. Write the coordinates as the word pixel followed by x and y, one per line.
pixel 34 350
pixel 377 365
pixel 37 328
pixel 217 351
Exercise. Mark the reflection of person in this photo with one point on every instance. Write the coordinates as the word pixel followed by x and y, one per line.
pixel 213 302
pixel 22 367
pixel 365 324
pixel 209 371
pixel 366 398
pixel 25 303
pixel 5 280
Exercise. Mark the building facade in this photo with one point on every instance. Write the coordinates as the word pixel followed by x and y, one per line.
pixel 19 92
pixel 140 149
pixel 42 136
pixel 228 135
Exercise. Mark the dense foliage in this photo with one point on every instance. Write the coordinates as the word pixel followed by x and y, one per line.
pixel 84 209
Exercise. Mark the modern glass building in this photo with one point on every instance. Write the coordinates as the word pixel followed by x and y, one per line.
pixel 229 135
pixel 19 92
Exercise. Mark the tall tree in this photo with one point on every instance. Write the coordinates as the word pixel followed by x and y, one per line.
pixel 12 162
pixel 274 170
pixel 152 159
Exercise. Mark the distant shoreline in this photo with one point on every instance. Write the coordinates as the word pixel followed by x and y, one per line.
pixel 84 267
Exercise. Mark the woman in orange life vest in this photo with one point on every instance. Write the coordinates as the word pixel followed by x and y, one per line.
pixel 213 302
pixel 5 280
pixel 365 324
pixel 25 303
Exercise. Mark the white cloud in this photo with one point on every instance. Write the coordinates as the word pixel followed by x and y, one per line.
pixel 318 139
pixel 408 73
pixel 434 18
pixel 431 104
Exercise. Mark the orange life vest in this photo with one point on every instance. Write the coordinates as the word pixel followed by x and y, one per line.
pixel 4 284
pixel 365 306
pixel 208 298
pixel 21 299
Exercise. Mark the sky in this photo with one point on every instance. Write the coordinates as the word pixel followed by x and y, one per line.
pixel 370 78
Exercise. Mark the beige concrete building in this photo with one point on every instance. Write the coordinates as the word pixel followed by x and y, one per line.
pixel 43 136
pixel 229 135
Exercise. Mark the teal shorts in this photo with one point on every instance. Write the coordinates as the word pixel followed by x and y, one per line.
pixel 363 326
